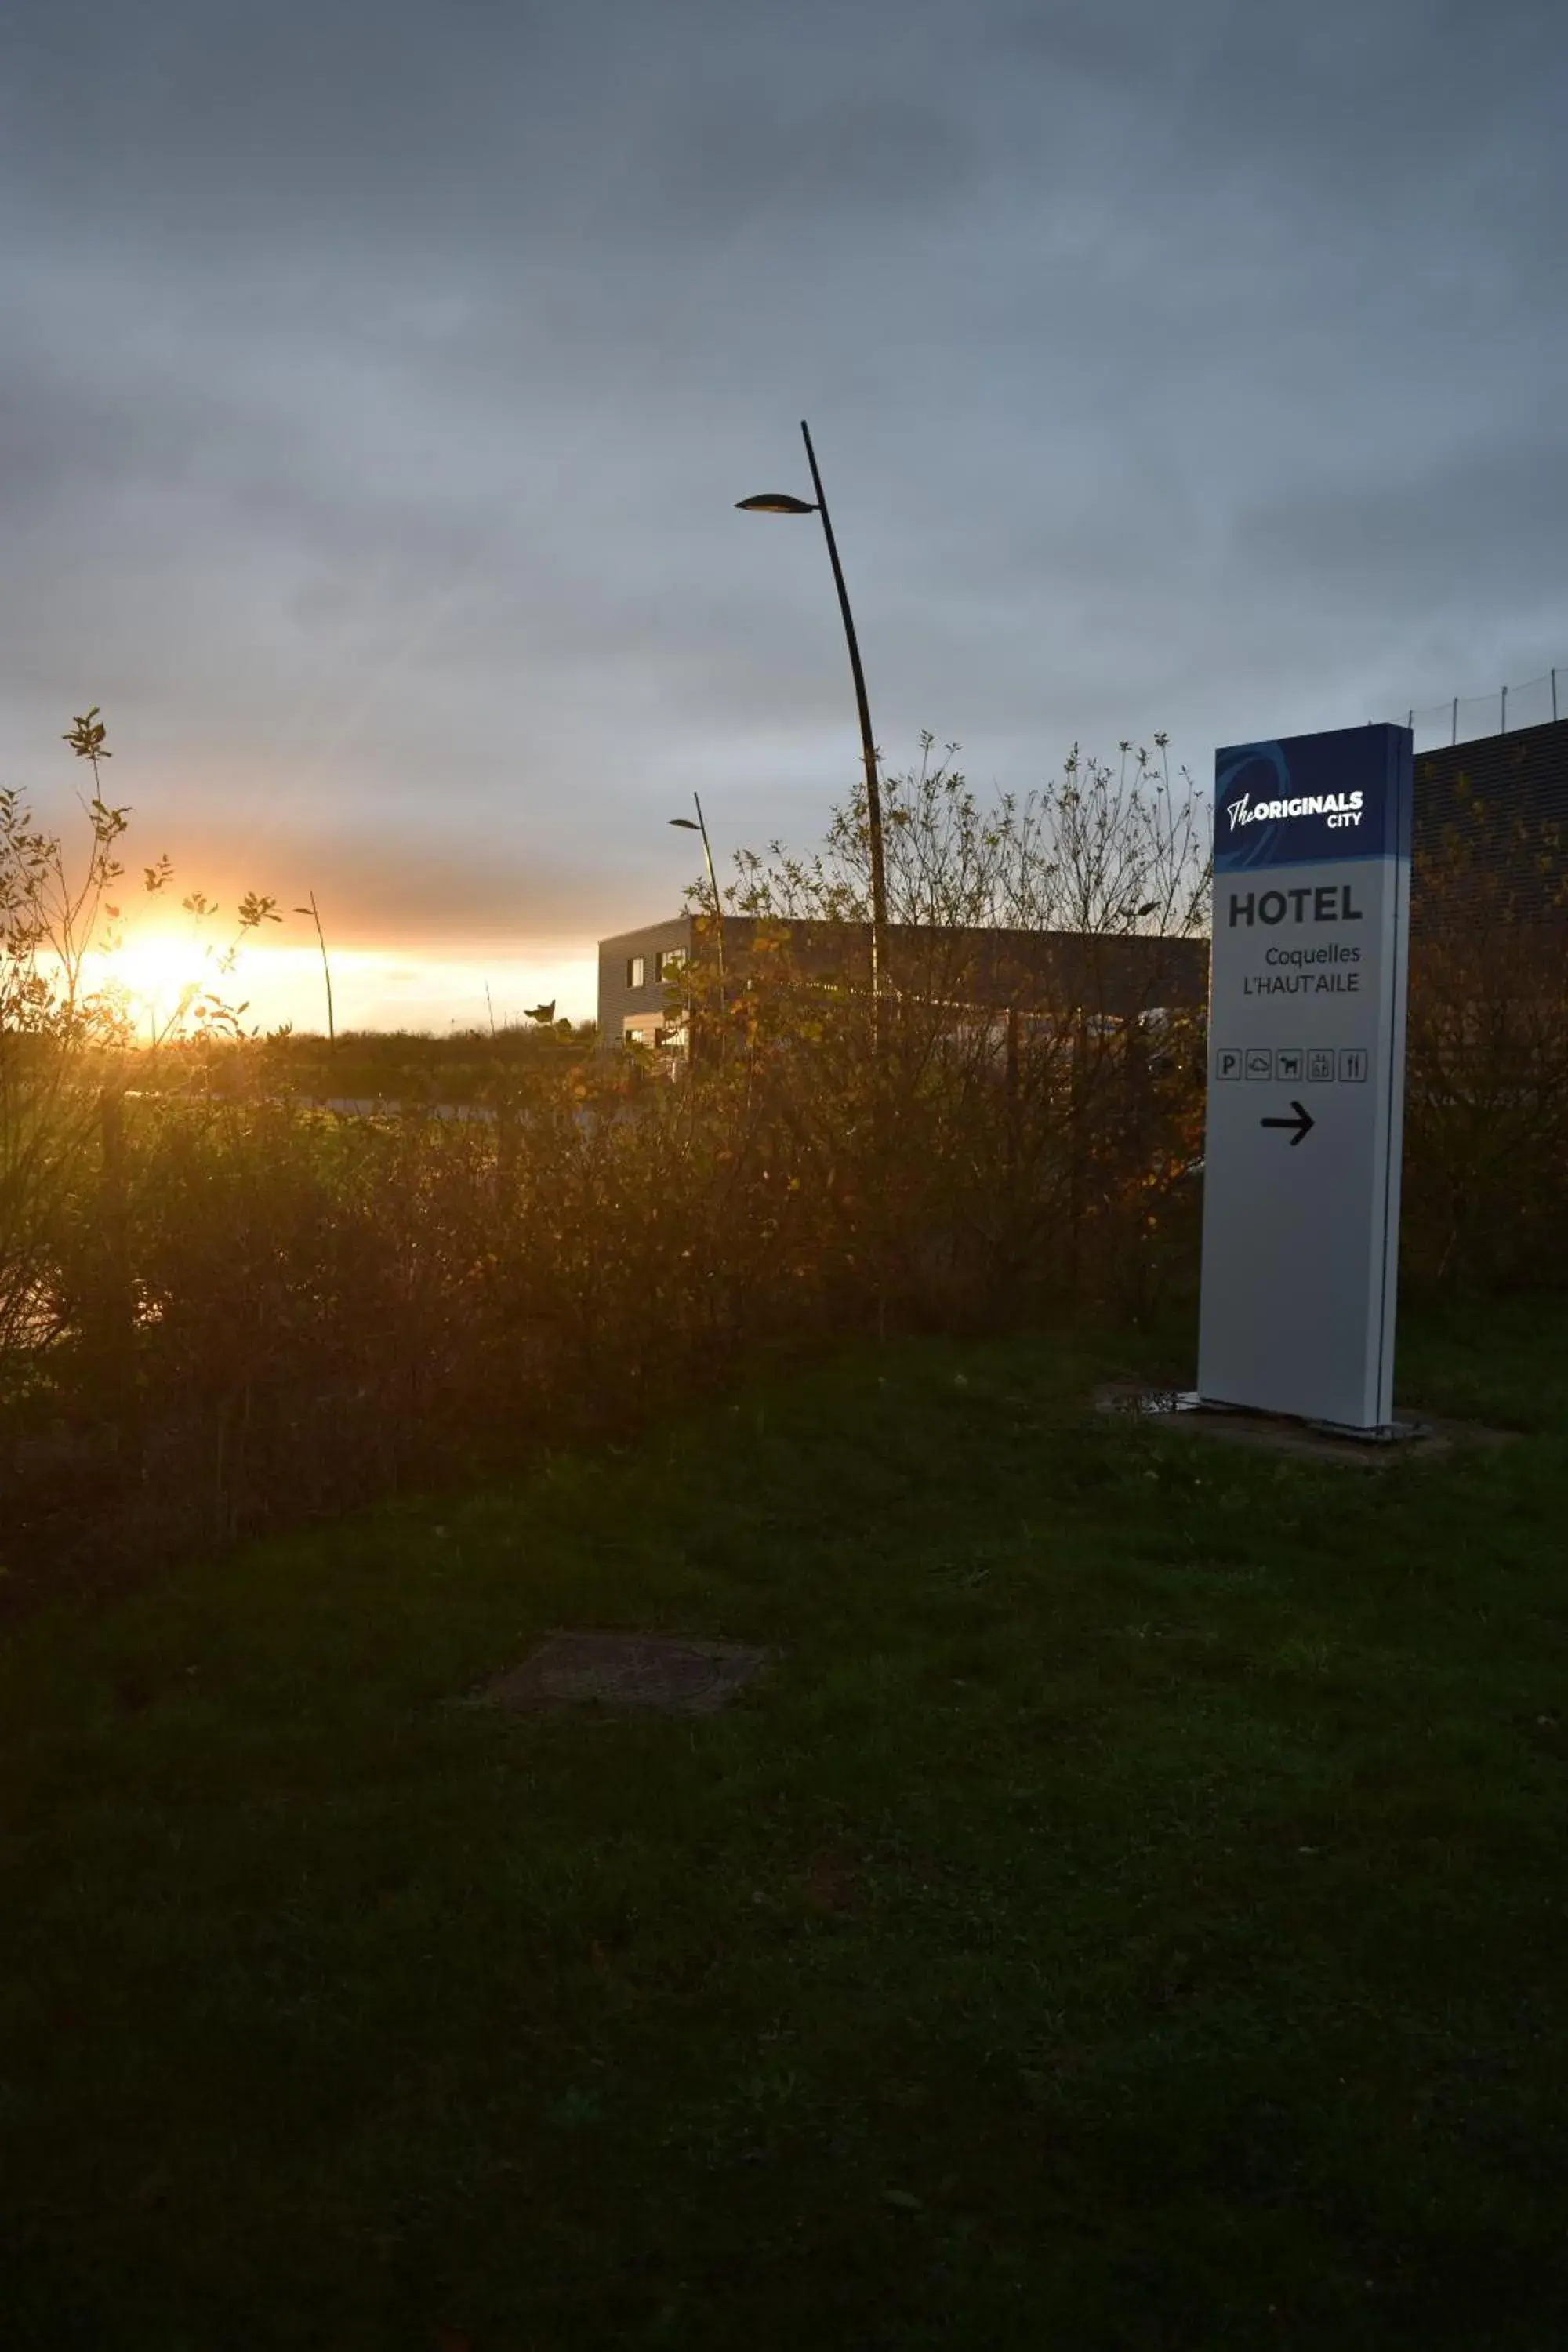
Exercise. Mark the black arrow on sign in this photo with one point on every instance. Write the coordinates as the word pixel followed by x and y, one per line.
pixel 1303 1123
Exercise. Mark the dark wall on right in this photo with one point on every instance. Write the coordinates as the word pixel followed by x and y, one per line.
pixel 1483 791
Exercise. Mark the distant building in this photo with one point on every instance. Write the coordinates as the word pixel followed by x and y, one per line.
pixel 635 968
pixel 995 970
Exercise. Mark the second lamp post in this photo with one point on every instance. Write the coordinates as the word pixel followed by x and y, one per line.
pixel 780 502
pixel 685 825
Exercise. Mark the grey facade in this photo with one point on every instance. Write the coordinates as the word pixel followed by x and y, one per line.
pixel 1022 970
pixel 632 987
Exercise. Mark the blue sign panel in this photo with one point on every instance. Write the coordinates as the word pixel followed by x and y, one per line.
pixel 1312 798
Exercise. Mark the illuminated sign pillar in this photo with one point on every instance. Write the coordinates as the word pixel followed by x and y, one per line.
pixel 1306 1080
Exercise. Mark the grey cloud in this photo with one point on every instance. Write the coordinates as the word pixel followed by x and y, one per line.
pixel 379 385
pixel 1483 521
pixel 533 126
pixel 1342 102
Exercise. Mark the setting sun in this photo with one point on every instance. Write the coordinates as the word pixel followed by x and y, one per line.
pixel 161 965
pixel 156 968
pixel 436 987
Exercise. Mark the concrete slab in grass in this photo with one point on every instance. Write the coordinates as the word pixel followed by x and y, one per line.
pixel 649 1673
pixel 1422 1439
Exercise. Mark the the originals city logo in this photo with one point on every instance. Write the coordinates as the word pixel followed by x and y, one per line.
pixel 1340 808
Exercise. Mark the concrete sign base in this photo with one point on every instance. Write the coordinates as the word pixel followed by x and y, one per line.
pixel 1404 1440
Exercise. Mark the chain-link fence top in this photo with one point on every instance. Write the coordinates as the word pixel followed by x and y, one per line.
pixel 1538 702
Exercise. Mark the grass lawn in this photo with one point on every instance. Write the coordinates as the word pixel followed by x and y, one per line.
pixel 1132 1913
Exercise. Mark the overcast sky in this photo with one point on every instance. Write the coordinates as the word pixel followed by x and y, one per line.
pixel 377 383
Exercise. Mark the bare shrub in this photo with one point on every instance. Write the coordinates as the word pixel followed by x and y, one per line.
pixel 67 1339
pixel 1017 1124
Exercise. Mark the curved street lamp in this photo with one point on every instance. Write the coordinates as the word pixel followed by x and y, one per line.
pixel 685 825
pixel 780 502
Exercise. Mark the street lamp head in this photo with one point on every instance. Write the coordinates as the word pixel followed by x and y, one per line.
pixel 775 502
pixel 687 824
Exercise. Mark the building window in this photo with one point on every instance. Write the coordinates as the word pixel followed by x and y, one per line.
pixel 667 962
pixel 636 971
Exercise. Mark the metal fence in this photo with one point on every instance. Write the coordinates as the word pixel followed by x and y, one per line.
pixel 1539 702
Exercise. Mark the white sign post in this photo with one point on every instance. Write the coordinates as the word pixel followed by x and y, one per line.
pixel 1306 1081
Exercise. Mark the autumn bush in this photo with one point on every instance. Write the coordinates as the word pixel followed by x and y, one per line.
pixel 226 1305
